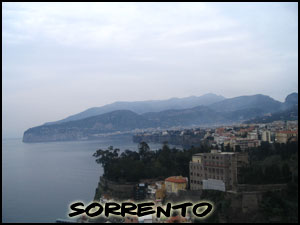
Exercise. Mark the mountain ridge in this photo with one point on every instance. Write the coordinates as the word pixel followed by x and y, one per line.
pixel 244 108
pixel 145 106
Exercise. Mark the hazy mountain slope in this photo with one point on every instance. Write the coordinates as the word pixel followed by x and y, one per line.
pixel 289 114
pixel 290 101
pixel 262 102
pixel 186 117
pixel 121 120
pixel 146 106
pixel 227 111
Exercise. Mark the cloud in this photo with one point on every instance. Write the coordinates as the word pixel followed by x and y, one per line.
pixel 102 24
pixel 71 56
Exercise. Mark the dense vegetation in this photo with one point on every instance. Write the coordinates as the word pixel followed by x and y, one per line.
pixel 268 164
pixel 281 206
pixel 133 166
pixel 271 164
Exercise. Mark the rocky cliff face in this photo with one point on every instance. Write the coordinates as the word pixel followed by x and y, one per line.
pixel 48 134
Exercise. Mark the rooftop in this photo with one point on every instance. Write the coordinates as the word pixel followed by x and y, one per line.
pixel 288 131
pixel 176 179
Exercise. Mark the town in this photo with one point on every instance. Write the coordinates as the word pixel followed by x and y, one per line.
pixel 240 136
pixel 221 172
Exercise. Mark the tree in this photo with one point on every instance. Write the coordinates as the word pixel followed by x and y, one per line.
pixel 106 157
pixel 144 151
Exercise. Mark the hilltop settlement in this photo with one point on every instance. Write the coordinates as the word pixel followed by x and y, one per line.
pixel 249 172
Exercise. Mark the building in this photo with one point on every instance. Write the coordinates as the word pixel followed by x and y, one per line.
pixel 175 183
pixel 286 135
pixel 252 135
pixel 145 219
pixel 160 192
pixel 246 143
pixel 266 136
pixel 140 191
pixel 216 170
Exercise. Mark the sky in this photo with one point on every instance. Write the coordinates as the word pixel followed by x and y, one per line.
pixel 59 59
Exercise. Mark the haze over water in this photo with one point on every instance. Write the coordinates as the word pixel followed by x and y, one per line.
pixel 40 180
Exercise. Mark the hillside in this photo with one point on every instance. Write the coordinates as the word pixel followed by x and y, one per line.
pixel 146 106
pixel 262 102
pixel 228 111
pixel 289 114
pixel 121 120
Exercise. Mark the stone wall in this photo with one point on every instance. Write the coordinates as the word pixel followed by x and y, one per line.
pixel 260 188
pixel 117 190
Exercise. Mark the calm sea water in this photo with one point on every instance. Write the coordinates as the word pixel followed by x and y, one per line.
pixel 41 180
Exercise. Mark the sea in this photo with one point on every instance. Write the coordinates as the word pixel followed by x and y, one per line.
pixel 41 180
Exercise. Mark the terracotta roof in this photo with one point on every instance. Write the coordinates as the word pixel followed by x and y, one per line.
pixel 176 179
pixel 288 132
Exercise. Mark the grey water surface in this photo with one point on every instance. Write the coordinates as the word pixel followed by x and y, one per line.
pixel 41 180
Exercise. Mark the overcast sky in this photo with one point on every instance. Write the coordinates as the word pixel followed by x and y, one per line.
pixel 59 59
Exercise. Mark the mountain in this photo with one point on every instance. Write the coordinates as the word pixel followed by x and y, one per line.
pixel 120 120
pixel 290 101
pixel 146 106
pixel 262 102
pixel 124 120
pixel 228 111
pixel 288 114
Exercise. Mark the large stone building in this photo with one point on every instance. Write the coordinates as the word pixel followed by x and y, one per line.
pixel 246 143
pixel 266 136
pixel 216 170
pixel 286 135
